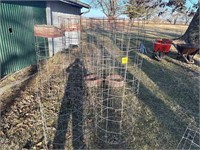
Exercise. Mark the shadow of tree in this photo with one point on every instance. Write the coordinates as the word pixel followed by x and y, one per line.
pixel 179 86
pixel 72 105
pixel 163 113
pixel 168 119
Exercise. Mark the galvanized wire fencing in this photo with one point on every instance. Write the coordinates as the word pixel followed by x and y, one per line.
pixel 114 90
pixel 60 79
pixel 190 138
pixel 86 92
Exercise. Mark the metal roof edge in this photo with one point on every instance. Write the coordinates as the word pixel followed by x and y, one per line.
pixel 72 2
pixel 76 3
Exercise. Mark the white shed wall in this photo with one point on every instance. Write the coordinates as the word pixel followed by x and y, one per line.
pixel 55 11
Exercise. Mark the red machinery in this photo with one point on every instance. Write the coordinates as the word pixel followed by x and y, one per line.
pixel 161 47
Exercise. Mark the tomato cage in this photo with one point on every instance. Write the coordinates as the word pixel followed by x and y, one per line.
pixel 112 60
pixel 89 76
pixel 60 89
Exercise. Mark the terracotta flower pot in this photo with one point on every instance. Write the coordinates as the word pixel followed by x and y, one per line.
pixel 47 31
pixel 115 81
pixel 93 80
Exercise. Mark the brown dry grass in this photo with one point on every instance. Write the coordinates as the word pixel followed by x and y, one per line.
pixel 168 101
pixel 167 26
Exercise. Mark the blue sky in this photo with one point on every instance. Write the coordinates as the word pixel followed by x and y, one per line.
pixel 94 13
pixel 97 12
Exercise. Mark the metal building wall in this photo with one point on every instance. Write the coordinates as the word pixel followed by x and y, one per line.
pixel 17 45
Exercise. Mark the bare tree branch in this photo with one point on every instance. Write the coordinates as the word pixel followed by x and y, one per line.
pixel 111 8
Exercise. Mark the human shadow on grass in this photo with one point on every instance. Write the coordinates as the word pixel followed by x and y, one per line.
pixel 72 106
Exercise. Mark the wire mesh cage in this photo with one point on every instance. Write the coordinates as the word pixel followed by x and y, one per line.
pixel 113 89
pixel 71 27
pixel 60 79
pixel 85 91
pixel 190 138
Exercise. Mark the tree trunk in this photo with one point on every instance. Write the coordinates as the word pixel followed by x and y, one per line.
pixel 192 33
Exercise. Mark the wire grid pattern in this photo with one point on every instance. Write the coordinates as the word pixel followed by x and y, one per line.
pixel 60 79
pixel 190 138
pixel 46 81
pixel 72 107
pixel 110 58
pixel 71 26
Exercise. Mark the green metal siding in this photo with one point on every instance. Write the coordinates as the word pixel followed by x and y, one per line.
pixel 17 48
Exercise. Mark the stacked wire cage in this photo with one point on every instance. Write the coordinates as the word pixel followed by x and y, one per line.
pixel 110 56
pixel 60 79
pixel 86 92
pixel 70 130
pixel 47 94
